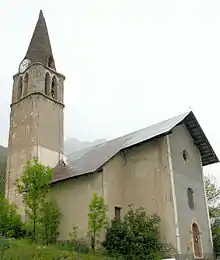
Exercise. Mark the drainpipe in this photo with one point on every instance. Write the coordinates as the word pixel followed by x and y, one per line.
pixel 170 165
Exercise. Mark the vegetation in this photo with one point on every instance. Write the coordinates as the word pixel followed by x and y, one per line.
pixel 213 199
pixel 135 237
pixel 23 249
pixel 97 218
pixel 213 196
pixel 78 244
pixel 33 187
pixel 49 219
pixel 10 221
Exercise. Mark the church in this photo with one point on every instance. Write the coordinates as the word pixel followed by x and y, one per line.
pixel 159 167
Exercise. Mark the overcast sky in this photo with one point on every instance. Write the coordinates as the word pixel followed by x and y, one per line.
pixel 128 63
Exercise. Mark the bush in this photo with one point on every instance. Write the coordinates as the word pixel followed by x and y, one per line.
pixel 10 222
pixel 49 220
pixel 136 237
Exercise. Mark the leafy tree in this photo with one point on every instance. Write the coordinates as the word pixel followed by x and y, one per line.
pixel 97 218
pixel 213 196
pixel 34 186
pixel 49 221
pixel 216 237
pixel 10 221
pixel 137 236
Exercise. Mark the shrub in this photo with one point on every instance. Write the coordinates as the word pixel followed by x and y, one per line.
pixel 49 220
pixel 10 222
pixel 136 237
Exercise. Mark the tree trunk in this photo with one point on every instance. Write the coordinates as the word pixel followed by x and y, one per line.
pixel 46 235
pixel 34 228
pixel 93 243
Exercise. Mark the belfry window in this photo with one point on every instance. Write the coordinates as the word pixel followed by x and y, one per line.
pixel 20 87
pixel 191 199
pixel 54 88
pixel 47 84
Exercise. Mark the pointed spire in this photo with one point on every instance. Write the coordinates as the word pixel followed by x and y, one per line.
pixel 39 48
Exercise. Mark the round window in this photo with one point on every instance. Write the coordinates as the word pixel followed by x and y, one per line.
pixel 185 155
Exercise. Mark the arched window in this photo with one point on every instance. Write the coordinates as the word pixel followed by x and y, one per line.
pixel 20 87
pixel 191 199
pixel 47 84
pixel 54 88
pixel 26 84
pixel 197 246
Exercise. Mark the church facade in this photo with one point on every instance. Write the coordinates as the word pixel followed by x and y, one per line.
pixel 159 168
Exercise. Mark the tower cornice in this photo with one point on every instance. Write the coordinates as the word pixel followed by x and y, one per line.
pixel 43 65
pixel 37 93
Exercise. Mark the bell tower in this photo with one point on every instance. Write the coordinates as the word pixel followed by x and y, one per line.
pixel 36 118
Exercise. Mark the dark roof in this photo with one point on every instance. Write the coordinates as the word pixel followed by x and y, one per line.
pixel 92 159
pixel 40 48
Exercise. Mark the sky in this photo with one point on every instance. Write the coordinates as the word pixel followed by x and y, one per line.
pixel 128 63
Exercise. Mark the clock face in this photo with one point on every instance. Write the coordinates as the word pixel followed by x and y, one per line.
pixel 23 66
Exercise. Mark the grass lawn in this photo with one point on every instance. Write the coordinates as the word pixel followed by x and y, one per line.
pixel 23 250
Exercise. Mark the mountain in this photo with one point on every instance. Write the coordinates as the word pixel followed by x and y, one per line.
pixel 3 153
pixel 72 145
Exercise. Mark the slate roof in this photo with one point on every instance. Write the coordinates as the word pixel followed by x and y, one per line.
pixel 93 158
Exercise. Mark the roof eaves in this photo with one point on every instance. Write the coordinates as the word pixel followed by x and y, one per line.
pixel 208 155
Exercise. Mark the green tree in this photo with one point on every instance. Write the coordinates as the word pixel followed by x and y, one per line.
pixel 97 218
pixel 34 186
pixel 216 237
pixel 49 221
pixel 213 199
pixel 10 221
pixel 213 196
pixel 137 236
